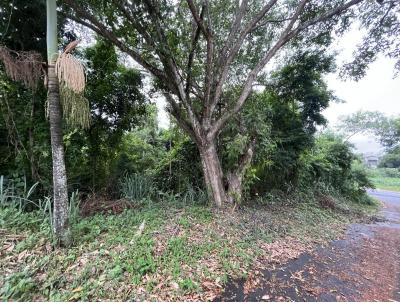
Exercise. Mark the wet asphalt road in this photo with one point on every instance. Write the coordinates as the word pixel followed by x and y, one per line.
pixel 326 265
pixel 386 196
pixel 391 205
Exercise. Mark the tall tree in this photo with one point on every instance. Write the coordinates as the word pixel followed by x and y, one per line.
pixel 117 105
pixel 62 71
pixel 60 189
pixel 197 56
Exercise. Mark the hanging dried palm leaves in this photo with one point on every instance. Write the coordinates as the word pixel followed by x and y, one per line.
pixel 70 72
pixel 75 108
pixel 22 66
pixel 72 79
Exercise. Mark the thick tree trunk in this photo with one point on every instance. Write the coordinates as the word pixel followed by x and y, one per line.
pixel 60 212
pixel 235 190
pixel 60 199
pixel 213 174
pixel 235 178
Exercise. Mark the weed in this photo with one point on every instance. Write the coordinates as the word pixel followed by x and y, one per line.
pixel 116 272
pixel 188 285
pixel 18 286
pixel 184 222
pixel 109 262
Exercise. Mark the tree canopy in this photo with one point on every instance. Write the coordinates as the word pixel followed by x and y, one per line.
pixel 197 58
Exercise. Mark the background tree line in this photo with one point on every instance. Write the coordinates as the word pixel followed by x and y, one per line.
pixel 227 137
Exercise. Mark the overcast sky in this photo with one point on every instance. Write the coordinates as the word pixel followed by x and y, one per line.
pixel 377 91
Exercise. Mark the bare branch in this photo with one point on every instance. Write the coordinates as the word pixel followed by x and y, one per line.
pixel 197 18
pixel 88 20
pixel 235 27
pixel 246 157
pixel 138 26
pixel 283 39
pixel 235 49
pixel 335 11
pixel 209 67
pixel 195 39
pixel 257 26
pixel 171 66
pixel 181 120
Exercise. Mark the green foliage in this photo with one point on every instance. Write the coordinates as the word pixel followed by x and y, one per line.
pixel 391 159
pixel 107 252
pixel 291 105
pixel 386 129
pixel 332 163
pixel 385 178
pixel 19 286
pixel 361 122
pixel 381 26
pixel 136 187
pixel 117 105
pixel 24 130
pixel 16 193
pixel 16 198
pixel 180 168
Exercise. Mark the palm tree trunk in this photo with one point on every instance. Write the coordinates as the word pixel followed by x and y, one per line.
pixel 60 212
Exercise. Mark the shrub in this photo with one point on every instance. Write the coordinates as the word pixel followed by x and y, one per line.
pixel 332 163
pixel 136 187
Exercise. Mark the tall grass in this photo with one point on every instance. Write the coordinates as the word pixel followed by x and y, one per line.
pixel 136 187
pixel 16 193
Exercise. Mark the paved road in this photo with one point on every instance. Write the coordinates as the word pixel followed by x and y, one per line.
pixel 386 196
pixel 391 207
pixel 362 266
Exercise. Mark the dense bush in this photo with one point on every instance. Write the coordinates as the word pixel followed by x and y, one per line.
pixel 391 159
pixel 332 162
pixel 180 168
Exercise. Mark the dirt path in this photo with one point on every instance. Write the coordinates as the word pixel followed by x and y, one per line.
pixel 363 266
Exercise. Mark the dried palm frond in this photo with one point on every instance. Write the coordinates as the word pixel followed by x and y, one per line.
pixel 70 73
pixel 75 106
pixel 72 79
pixel 22 66
pixel 71 46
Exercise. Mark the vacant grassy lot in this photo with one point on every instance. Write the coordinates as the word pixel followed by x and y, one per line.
pixel 385 178
pixel 158 252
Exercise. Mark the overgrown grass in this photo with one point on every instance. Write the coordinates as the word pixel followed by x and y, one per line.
pixel 385 178
pixel 165 251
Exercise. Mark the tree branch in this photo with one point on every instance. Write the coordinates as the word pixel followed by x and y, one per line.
pixel 195 39
pixel 235 49
pixel 183 123
pixel 328 14
pixel 88 20
pixel 209 68
pixel 235 28
pixel 283 39
pixel 196 17
pixel 246 157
